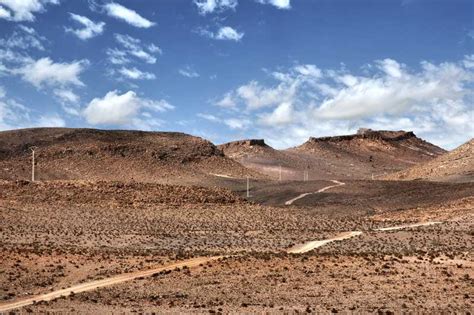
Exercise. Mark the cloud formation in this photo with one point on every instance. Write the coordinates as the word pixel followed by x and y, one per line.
pixel 67 96
pixel 132 47
pixel 135 74
pixel 23 37
pixel 188 72
pixel 23 10
pixel 280 4
pixel 127 109
pixel 223 33
pixel 434 101
pixel 89 28
pixel 211 6
pixel 130 16
pixel 46 72
pixel 15 115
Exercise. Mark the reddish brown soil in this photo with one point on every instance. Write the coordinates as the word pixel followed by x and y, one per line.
pixel 55 234
pixel 286 284
pixel 89 154
pixel 363 155
pixel 456 165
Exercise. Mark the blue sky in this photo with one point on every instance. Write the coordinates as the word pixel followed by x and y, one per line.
pixel 282 70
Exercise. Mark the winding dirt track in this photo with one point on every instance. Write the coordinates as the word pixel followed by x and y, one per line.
pixel 194 262
pixel 309 246
pixel 92 285
pixel 338 183
pixel 407 226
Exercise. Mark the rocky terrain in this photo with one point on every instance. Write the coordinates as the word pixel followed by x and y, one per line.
pixel 89 154
pixel 130 239
pixel 456 165
pixel 288 284
pixel 366 154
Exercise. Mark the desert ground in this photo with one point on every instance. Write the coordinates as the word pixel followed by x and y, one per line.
pixel 149 241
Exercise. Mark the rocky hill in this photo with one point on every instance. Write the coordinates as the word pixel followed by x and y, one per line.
pixel 89 154
pixel 456 165
pixel 366 154
pixel 259 156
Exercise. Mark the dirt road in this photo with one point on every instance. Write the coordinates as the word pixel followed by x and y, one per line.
pixel 406 226
pixel 306 247
pixel 89 286
pixel 338 183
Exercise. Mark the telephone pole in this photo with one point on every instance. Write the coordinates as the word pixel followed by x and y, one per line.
pixel 280 174
pixel 32 163
pixel 248 187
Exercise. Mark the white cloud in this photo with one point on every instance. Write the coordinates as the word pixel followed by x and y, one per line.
pixel 23 10
pixel 280 4
pixel 210 6
pixel 45 71
pixel 469 61
pixel 23 38
pixel 90 29
pixel 133 47
pixel 228 33
pixel 223 33
pixel 154 49
pixel 135 74
pixel 435 101
pixel 14 115
pixel 69 101
pixel 50 121
pixel 208 117
pixel 308 70
pixel 10 59
pixel 237 123
pixel 390 67
pixel 256 96
pixel 123 109
pixel 117 56
pixel 396 91
pixel 282 115
pixel 188 72
pixel 227 101
pixel 130 16
pixel 66 96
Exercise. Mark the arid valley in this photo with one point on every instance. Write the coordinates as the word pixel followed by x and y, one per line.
pixel 122 221
pixel 236 157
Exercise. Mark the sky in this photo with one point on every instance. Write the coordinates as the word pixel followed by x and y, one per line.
pixel 282 70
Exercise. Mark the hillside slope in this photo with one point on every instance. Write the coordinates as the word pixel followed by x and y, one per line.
pixel 363 155
pixel 256 154
pixel 89 154
pixel 456 165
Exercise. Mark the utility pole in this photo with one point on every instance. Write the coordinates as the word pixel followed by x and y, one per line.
pixel 280 174
pixel 32 163
pixel 248 187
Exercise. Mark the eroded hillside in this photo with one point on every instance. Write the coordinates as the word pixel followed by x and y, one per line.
pixel 88 154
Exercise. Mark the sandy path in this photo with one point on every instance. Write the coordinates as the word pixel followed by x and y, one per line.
pixel 297 249
pixel 306 247
pixel 222 175
pixel 407 226
pixel 89 286
pixel 338 183
pixel 92 285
